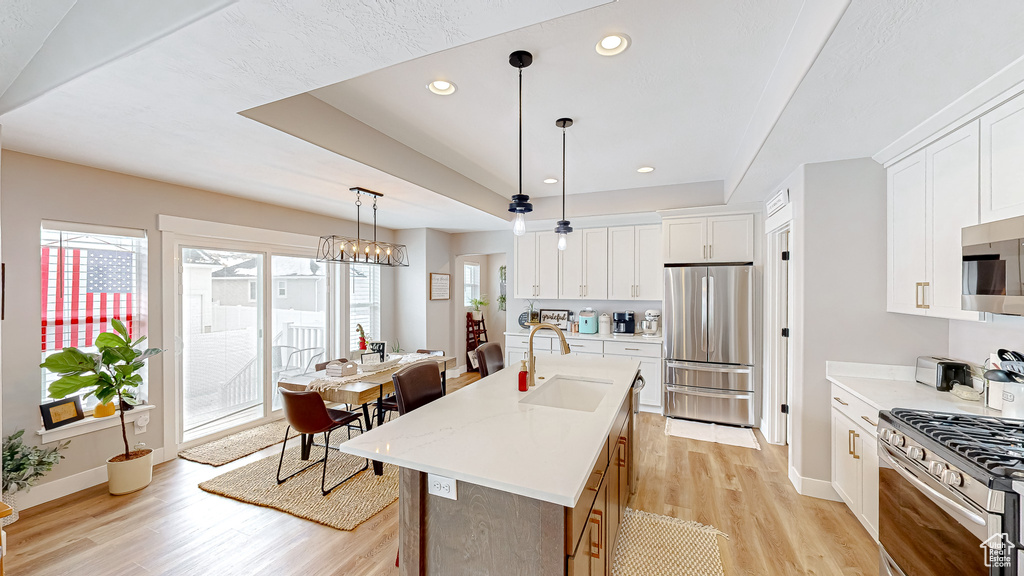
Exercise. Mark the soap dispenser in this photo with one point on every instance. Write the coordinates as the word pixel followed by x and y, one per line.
pixel 524 384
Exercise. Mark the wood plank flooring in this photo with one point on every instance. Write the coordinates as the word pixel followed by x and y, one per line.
pixel 174 528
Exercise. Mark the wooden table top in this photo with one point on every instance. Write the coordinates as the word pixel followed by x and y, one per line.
pixel 360 391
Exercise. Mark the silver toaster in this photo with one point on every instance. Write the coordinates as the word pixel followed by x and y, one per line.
pixel 927 368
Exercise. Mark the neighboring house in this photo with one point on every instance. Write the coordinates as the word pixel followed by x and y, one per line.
pixel 298 284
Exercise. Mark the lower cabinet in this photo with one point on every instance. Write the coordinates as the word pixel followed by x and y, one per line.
pixel 855 457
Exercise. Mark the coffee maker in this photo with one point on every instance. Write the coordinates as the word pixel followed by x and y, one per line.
pixel 623 323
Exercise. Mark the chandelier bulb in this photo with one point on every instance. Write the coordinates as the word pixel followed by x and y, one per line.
pixel 519 224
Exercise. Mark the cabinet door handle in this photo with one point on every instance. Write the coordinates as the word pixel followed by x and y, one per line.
pixel 600 534
pixel 849 442
pixel 711 251
pixel 704 252
pixel 838 399
pixel 854 452
pixel 868 420
pixel 924 295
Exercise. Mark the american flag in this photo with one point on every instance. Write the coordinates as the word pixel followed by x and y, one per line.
pixel 82 290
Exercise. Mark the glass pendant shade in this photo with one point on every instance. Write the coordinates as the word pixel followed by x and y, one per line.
pixel 562 241
pixel 519 224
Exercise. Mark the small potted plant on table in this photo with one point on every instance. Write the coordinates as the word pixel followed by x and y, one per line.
pixel 113 371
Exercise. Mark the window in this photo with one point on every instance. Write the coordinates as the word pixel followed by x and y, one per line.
pixel 90 276
pixel 282 289
pixel 364 302
pixel 471 278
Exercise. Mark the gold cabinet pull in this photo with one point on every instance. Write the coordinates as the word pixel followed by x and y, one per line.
pixel 838 399
pixel 923 299
pixel 855 455
pixel 868 420
pixel 849 442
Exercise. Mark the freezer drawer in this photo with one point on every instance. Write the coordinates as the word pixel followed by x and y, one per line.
pixel 719 406
pixel 702 375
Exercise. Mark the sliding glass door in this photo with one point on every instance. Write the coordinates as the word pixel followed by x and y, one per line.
pixel 299 318
pixel 222 339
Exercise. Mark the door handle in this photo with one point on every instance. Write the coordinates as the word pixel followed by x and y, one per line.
pixel 868 420
pixel 853 451
pixel 704 314
pixel 849 442
pixel 600 534
pixel 711 251
pixel 837 399
pixel 924 295
pixel 711 312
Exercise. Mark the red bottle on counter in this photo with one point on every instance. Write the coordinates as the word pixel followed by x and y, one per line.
pixel 524 383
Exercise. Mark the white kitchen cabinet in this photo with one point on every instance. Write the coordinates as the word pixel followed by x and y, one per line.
pixel 1002 161
pixel 635 263
pixel 536 265
pixel 725 238
pixel 846 464
pixel 932 194
pixel 583 269
pixel 952 165
pixel 855 456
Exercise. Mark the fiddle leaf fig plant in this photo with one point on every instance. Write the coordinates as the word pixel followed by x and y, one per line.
pixel 112 371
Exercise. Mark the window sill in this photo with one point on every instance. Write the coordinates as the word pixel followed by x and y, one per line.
pixel 140 416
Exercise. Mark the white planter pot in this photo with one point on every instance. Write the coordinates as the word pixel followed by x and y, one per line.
pixel 130 476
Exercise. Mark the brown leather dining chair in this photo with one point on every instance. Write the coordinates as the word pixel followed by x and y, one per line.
pixel 306 412
pixel 390 404
pixel 417 385
pixel 490 358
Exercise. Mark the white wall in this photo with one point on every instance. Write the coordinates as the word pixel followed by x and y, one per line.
pixel 839 266
pixel 37 188
pixel 974 341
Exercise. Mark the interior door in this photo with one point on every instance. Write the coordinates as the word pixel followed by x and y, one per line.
pixel 526 266
pixel 648 263
pixel 908 234
pixel 621 263
pixel 953 193
pixel 595 263
pixel 685 314
pixel 547 265
pixel 730 314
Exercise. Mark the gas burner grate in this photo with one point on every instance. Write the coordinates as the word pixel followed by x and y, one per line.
pixel 993 444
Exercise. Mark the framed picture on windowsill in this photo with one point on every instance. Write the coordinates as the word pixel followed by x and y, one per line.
pixel 61 412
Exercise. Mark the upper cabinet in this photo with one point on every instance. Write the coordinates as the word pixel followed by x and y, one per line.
pixel 536 265
pixel 584 265
pixel 1002 161
pixel 712 239
pixel 634 263
pixel 932 195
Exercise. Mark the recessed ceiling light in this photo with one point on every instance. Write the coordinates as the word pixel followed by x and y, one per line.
pixel 612 44
pixel 551 180
pixel 441 87
pixel 645 169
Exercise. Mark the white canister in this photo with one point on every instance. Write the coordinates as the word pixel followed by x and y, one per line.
pixel 1013 400
pixel 995 395
pixel 604 325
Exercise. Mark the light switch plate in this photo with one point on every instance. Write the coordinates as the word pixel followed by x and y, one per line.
pixel 442 486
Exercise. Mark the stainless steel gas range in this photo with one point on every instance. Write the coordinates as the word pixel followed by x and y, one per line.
pixel 949 489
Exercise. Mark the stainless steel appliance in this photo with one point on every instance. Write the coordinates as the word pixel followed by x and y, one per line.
pixel 624 322
pixel 651 323
pixel 992 261
pixel 941 372
pixel 638 385
pixel 709 343
pixel 949 490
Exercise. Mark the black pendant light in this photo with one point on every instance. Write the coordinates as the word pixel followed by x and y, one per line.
pixel 563 229
pixel 520 205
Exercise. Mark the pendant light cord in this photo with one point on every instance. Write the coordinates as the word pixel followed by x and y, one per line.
pixel 563 173
pixel 520 130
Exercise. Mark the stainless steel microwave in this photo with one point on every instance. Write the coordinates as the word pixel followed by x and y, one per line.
pixel 993 262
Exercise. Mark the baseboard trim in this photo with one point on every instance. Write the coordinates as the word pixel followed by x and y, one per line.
pixel 813 487
pixel 650 409
pixel 50 491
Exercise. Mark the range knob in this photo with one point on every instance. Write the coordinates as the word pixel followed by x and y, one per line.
pixel 936 468
pixel 897 439
pixel 915 453
pixel 885 433
pixel 952 478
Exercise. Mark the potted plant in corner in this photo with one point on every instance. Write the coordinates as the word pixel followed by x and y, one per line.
pixel 109 373
pixel 476 303
pixel 24 466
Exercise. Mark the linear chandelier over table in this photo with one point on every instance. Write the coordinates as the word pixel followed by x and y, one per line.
pixel 349 250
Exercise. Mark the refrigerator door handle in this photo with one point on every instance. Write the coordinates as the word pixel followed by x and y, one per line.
pixel 704 314
pixel 711 313
pixel 732 395
pixel 708 367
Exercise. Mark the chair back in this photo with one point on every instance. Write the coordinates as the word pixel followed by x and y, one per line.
pixel 323 365
pixel 306 411
pixel 417 384
pixel 490 358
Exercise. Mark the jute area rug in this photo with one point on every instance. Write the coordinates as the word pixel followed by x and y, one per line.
pixel 654 545
pixel 346 507
pixel 231 448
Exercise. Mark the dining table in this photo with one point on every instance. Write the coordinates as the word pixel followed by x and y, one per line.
pixel 372 388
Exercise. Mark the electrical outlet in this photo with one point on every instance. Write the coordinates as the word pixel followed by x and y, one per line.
pixel 442 486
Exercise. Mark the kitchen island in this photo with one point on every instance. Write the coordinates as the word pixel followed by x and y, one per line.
pixel 535 482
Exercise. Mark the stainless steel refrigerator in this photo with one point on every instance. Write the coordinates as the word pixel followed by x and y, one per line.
pixel 709 343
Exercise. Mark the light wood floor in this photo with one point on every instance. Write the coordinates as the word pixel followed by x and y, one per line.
pixel 174 528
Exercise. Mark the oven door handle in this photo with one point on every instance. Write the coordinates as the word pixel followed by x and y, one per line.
pixel 961 507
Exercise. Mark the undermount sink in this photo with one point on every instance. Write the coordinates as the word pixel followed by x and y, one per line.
pixel 569 392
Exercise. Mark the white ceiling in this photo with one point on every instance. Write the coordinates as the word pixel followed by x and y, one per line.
pixel 679 98
pixel 169 111
pixel 24 26
pixel 887 67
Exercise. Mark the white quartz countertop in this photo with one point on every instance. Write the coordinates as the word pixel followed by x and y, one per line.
pixel 886 387
pixel 482 434
pixel 637 338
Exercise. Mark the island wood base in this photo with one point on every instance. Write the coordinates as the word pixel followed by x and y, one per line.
pixel 488 531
